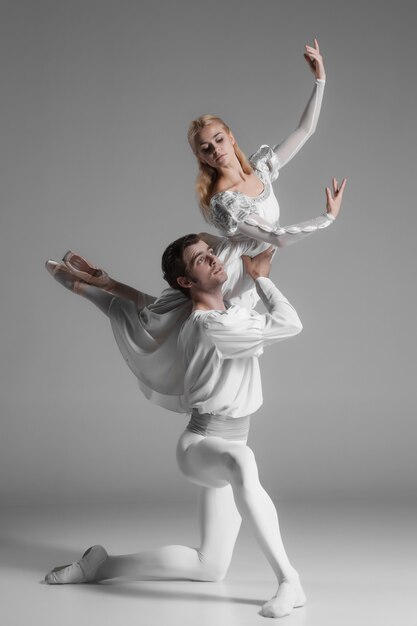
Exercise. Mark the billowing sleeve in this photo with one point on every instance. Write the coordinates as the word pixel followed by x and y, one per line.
pixel 243 334
pixel 266 161
pixel 143 300
pixel 286 150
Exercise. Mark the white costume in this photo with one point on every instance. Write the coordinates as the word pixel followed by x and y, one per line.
pixel 239 216
pixel 207 362
pixel 221 350
pixel 147 334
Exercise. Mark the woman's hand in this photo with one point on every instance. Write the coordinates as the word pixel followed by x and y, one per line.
pixel 315 60
pixel 334 202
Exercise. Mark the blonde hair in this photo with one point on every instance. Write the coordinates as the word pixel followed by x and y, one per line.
pixel 207 176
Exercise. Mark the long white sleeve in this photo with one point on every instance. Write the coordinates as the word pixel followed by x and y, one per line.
pixel 286 150
pixel 281 320
pixel 255 227
pixel 240 334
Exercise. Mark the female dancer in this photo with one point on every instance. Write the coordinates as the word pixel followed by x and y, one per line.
pixel 235 194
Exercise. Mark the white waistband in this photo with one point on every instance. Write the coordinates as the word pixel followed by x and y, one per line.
pixel 232 428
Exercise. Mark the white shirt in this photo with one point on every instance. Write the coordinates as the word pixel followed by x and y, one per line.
pixel 147 331
pixel 221 349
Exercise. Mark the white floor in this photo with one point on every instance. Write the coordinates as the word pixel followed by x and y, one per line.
pixel 358 562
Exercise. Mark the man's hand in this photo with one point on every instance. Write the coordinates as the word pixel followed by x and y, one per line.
pixel 260 265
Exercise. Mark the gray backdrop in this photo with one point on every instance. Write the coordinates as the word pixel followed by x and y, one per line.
pixel 96 99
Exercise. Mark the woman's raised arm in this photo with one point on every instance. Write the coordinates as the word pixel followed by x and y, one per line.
pixel 286 150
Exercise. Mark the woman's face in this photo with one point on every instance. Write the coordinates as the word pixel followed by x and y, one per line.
pixel 214 145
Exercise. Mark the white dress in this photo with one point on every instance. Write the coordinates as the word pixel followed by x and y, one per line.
pixel 147 332
pixel 239 216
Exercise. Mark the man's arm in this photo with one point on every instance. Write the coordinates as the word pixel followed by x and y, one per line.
pixel 281 320
pixel 244 334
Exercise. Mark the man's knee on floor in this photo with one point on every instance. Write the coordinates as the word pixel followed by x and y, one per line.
pixel 214 569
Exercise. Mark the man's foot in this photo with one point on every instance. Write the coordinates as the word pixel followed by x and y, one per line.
pixel 82 571
pixel 62 274
pixel 290 595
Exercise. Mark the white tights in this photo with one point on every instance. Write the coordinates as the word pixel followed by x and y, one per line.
pixel 231 490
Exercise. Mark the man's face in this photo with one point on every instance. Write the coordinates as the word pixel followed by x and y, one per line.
pixel 204 270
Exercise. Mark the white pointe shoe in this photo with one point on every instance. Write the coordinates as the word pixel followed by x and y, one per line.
pixel 82 571
pixel 62 274
pixel 86 271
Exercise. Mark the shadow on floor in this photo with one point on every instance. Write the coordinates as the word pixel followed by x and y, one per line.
pixel 36 556
pixel 143 589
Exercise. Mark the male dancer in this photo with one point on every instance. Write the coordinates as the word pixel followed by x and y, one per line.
pixel 220 346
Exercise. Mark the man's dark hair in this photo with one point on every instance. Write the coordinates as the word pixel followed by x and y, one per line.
pixel 173 265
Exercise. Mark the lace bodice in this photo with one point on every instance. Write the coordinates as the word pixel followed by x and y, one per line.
pixel 229 208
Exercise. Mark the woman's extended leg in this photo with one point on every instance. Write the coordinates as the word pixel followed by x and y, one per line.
pixel 85 271
pixel 220 524
pixel 212 461
pixel 100 296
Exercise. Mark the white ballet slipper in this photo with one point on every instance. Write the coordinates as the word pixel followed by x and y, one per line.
pixel 82 571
